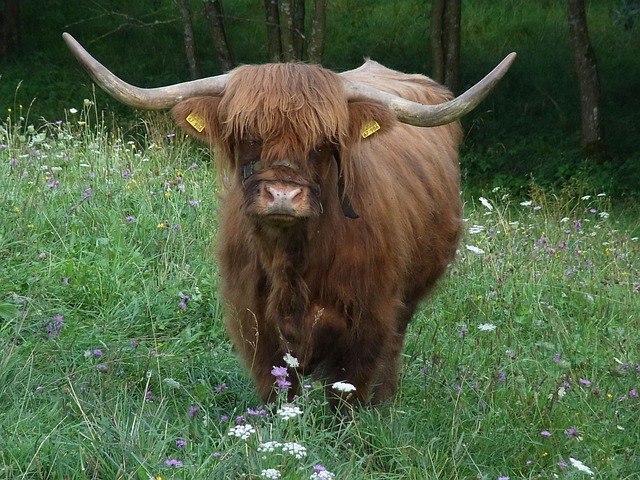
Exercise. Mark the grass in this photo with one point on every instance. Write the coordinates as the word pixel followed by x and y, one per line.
pixel 115 364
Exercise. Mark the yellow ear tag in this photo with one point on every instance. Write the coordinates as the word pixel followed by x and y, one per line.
pixel 369 128
pixel 196 121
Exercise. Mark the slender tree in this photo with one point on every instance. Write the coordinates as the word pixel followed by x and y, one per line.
pixel 318 31
pixel 273 30
pixel 586 68
pixel 9 26
pixel 215 16
pixel 445 42
pixel 189 39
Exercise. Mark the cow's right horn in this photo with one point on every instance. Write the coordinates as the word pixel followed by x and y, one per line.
pixel 146 98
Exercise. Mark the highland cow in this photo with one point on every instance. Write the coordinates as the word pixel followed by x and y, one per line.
pixel 341 209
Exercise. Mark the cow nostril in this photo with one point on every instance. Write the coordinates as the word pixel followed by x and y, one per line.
pixel 283 194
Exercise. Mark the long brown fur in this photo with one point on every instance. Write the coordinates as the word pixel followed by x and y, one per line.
pixel 336 292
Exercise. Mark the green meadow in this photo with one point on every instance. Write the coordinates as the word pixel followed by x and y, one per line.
pixel 524 364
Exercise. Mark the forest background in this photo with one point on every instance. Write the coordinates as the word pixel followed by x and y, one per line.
pixel 528 129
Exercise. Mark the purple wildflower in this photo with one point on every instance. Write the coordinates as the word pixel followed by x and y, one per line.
pixel 182 306
pixel 258 413
pixel 502 377
pixel 126 174
pixel 134 344
pixel 193 166
pixel 585 382
pixel 557 357
pixel 180 443
pixel 633 393
pixel 39 388
pixel 53 184
pixel 572 432
pixel 545 433
pixel 172 462
pixel 97 352
pixel 463 331
pixel 130 219
pixel 54 328
pixel 86 193
pixel 220 388
pixel 102 367
pixel 65 280
pixel 194 203
pixel 193 410
pixel 279 372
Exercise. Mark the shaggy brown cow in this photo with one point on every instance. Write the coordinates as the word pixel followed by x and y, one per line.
pixel 339 216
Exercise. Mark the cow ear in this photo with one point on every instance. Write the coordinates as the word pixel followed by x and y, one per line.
pixel 367 119
pixel 198 116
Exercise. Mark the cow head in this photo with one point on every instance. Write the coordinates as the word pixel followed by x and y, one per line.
pixel 283 131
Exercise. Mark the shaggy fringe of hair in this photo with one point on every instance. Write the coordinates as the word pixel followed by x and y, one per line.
pixel 292 108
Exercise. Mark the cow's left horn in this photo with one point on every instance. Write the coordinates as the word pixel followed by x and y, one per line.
pixel 145 98
pixel 433 115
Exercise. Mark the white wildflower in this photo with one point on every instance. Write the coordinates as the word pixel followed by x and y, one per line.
pixel 586 197
pixel 290 360
pixel 242 431
pixel 486 327
pixel 580 466
pixel 171 382
pixel 564 219
pixel 474 249
pixel 322 475
pixel 73 111
pixel 603 215
pixel 601 194
pixel 526 203
pixel 294 449
pixel 270 473
pixel 476 229
pixel 343 387
pixel 269 446
pixel 486 203
pixel 288 411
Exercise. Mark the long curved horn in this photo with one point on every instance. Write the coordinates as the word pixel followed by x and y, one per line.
pixel 433 115
pixel 145 98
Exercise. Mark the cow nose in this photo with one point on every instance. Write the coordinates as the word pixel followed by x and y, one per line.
pixel 281 199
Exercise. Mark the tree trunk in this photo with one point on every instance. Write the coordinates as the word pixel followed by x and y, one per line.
pixel 318 31
pixel 9 27
pixel 286 30
pixel 215 16
pixel 453 13
pixel 298 28
pixel 437 47
pixel 273 30
pixel 189 40
pixel 445 42
pixel 586 68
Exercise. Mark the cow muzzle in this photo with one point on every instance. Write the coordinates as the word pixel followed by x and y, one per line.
pixel 281 202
